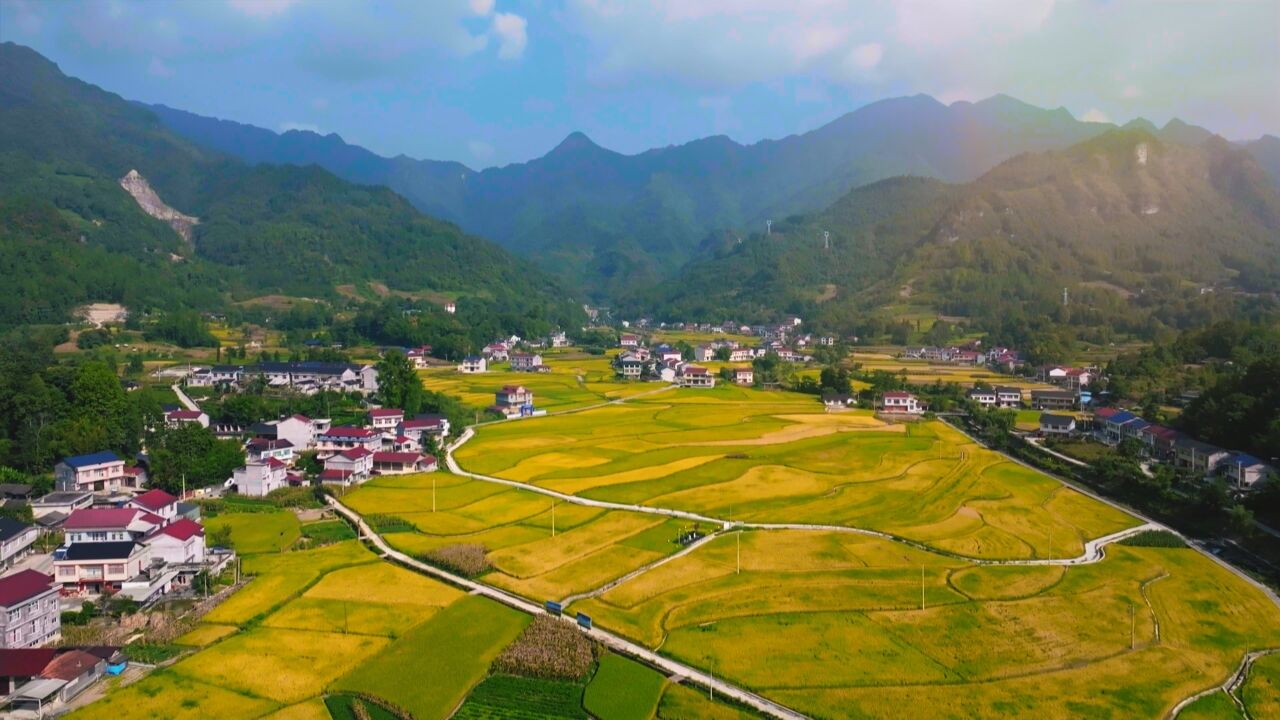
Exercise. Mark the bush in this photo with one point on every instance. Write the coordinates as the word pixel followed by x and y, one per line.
pixel 389 523
pixel 1154 538
pixel 549 648
pixel 468 560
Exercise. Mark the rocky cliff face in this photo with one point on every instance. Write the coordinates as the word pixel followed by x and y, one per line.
pixel 138 187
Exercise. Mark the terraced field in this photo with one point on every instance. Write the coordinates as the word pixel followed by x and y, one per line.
pixel 590 547
pixel 832 625
pixel 766 457
pixel 924 372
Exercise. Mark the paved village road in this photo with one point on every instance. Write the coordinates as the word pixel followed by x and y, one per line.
pixel 614 642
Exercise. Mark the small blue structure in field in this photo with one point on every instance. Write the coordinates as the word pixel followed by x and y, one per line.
pixel 584 621
pixel 554 608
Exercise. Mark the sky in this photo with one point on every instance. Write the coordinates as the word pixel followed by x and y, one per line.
pixel 490 82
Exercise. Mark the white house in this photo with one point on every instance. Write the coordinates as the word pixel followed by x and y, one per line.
pixel 181 541
pixel 472 364
pixel 99 566
pixel 257 479
pixel 349 467
pixel 16 538
pixel 397 463
pixel 341 438
pixel 496 352
pixel 157 502
pixel 744 376
pixel 300 430
pixel 898 401
pixel 629 341
pixel 262 449
pixel 95 525
pixel 525 361
pixel 1008 397
pixel 695 376
pixel 1051 424
pixel 383 419
pixel 986 397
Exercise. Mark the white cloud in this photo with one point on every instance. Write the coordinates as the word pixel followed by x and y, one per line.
pixel 866 56
pixel 934 24
pixel 1095 115
pixel 26 17
pixel 158 68
pixel 480 150
pixel 262 9
pixel 481 7
pixel 307 127
pixel 512 38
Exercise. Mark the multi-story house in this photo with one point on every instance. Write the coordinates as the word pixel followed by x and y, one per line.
pixel 513 395
pixel 425 426
pixel 342 438
pixel 98 472
pixel 744 376
pixel 473 364
pixel 1008 397
pixel 983 396
pixel 525 361
pixel 898 401
pixel 157 502
pixel 29 612
pixel 181 541
pixel 177 418
pixel 695 376
pixel 16 538
pixel 257 479
pixel 98 525
pixel 1054 399
pixel 97 567
pixel 263 449
pixel 384 419
pixel 349 467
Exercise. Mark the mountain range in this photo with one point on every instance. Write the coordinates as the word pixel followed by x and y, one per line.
pixel 134 213
pixel 615 224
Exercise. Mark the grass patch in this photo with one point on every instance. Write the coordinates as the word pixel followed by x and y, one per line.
pixel 344 707
pixel 327 532
pixel 258 532
pixel 623 689
pixel 432 668
pixel 167 694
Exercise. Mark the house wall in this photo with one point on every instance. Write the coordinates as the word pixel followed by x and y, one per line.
pixel 31 623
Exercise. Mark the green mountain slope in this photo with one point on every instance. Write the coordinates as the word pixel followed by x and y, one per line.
pixel 1129 223
pixel 65 145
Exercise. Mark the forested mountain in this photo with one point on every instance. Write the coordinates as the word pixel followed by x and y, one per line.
pixel 615 222
pixel 1131 224
pixel 70 233
pixel 1266 150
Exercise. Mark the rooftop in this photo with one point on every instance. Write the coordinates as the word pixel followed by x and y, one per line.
pixel 119 550
pixel 88 518
pixel 22 586
pixel 154 499
pixel 98 458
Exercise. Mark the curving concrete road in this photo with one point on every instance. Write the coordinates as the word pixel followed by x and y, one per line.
pixel 614 642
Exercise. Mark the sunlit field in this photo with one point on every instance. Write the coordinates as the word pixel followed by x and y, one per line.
pixel 774 457
pixel 575 380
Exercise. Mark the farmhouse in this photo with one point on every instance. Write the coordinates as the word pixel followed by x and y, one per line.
pixel 385 418
pixel 177 418
pixel 1054 399
pixel 425 425
pixel 16 538
pixel 838 400
pixel 1198 456
pixel 473 364
pixel 419 356
pixel 496 352
pixel 345 438
pixel 513 395
pixel 629 366
pixel 260 478
pixel 97 567
pixel 94 525
pixel 744 376
pixel 525 362
pixel 308 377
pixel 1243 470
pixel 1057 424
pixel 629 341
pixel 29 610
pixel 1008 397
pixel 156 502
pixel 899 401
pixel 178 542
pixel 397 463
pixel 348 467
pixel 986 397
pixel 97 472
pixel 694 376
pixel 261 449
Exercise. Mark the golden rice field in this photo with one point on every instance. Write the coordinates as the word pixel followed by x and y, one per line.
pixel 831 624
pixel 924 372
pixel 310 621
pixel 590 546
pixel 574 381
pixel 778 458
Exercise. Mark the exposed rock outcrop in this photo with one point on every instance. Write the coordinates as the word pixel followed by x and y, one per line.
pixel 137 186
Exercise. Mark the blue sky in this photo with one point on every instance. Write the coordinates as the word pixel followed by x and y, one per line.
pixel 490 82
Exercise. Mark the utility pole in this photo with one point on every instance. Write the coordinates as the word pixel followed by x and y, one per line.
pixel 739 536
pixel 768 227
pixel 1132 627
pixel 1050 542
pixel 553 518
pixel 826 240
pixel 433 492
pixel 922 587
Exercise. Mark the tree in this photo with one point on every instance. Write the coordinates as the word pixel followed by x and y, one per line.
pixel 220 536
pixel 191 455
pixel 837 379
pixel 1240 520
pixel 723 354
pixel 398 383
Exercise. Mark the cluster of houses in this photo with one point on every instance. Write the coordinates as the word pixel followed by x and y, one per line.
pixel 666 363
pixel 1001 358
pixel 41 680
pixel 789 327
pixel 306 377
pixel 1164 444
pixel 388 444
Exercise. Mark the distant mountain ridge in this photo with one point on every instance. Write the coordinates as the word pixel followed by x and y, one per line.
pixel 1109 218
pixel 614 222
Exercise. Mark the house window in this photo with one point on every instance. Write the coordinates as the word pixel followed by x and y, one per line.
pixel 15 614
pixel 67 570
pixel 116 569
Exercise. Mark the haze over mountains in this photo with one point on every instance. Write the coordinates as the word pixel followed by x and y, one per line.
pixel 617 223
